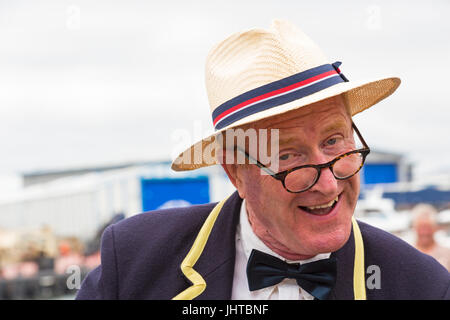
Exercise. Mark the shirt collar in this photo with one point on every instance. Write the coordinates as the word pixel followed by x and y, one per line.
pixel 251 241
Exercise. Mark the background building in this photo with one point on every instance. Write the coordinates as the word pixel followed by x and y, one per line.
pixel 386 167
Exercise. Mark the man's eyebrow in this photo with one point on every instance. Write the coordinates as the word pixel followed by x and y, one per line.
pixel 286 140
pixel 334 126
pixel 338 125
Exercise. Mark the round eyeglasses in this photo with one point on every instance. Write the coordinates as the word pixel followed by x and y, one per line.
pixel 302 178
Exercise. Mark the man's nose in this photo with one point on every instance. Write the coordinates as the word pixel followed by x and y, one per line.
pixel 327 183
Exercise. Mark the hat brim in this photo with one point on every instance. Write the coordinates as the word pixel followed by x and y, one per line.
pixel 358 97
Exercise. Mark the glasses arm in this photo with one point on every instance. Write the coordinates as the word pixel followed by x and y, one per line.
pixel 360 136
pixel 256 162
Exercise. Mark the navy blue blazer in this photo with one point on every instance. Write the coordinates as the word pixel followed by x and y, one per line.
pixel 141 257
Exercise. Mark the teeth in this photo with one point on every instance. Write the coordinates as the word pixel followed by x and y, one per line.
pixel 329 204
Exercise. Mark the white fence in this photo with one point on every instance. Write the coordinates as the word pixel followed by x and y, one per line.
pixel 74 206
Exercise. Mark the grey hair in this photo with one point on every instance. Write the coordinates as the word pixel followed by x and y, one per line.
pixel 424 210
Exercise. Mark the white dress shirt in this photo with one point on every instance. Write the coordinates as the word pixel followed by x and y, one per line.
pixel 246 240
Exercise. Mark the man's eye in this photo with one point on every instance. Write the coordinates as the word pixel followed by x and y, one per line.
pixel 331 141
pixel 289 157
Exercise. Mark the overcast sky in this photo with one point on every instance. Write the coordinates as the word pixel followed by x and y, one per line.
pixel 99 82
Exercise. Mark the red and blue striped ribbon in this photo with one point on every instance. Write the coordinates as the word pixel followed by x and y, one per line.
pixel 277 93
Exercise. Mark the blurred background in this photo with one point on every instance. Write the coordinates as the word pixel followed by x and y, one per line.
pixel 97 98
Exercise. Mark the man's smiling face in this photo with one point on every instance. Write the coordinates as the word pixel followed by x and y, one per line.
pixel 290 223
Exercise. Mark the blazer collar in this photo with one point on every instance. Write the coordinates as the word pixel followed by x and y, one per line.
pixel 216 264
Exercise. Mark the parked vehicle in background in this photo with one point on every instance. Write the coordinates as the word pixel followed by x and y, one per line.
pixel 380 212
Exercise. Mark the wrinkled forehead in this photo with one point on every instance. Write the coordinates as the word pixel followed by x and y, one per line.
pixel 331 112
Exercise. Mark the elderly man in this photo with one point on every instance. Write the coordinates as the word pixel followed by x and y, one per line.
pixel 288 232
pixel 425 227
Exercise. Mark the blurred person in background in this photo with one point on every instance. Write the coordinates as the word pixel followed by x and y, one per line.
pixel 425 227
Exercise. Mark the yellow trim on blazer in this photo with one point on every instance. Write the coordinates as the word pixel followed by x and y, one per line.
pixel 187 266
pixel 199 284
pixel 359 280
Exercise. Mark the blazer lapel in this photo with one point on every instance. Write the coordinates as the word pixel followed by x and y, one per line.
pixel 343 290
pixel 216 263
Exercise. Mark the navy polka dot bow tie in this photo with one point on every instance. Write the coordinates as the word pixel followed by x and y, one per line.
pixel 317 278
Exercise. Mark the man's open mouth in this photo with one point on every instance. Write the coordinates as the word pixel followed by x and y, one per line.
pixel 322 209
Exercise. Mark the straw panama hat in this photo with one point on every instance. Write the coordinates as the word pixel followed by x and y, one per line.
pixel 258 73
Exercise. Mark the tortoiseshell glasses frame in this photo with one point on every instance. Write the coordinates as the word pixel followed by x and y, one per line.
pixel 356 157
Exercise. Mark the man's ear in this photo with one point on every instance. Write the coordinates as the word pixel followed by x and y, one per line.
pixel 232 170
pixel 233 173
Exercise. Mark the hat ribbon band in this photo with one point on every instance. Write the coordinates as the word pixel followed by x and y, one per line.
pixel 277 93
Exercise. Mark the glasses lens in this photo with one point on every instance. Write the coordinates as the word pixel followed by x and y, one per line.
pixel 348 165
pixel 300 179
